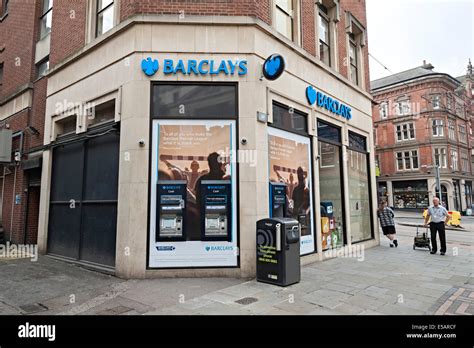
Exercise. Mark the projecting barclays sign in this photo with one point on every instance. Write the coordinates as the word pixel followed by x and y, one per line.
pixel 197 67
pixel 330 104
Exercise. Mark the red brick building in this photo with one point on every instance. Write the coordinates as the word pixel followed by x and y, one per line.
pixel 80 83
pixel 22 104
pixel 423 119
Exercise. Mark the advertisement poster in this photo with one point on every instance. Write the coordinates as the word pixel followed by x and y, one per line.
pixel 186 155
pixel 289 164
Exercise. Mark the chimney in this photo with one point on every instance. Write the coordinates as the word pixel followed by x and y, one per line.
pixel 427 66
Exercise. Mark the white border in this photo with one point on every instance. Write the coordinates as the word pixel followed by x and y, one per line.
pixel 192 254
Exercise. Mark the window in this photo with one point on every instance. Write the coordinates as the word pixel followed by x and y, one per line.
pixel 452 130
pixel 449 102
pixel 402 107
pixel 66 126
pixel 46 18
pixel 355 42
pixel 438 128
pixel 43 68
pixel 384 110
pixel 436 102
pixel 406 131
pixel 330 186
pixel 102 113
pixel 290 119
pixel 410 194
pixel 354 61
pixel 407 160
pixel 462 134
pixel 454 160
pixel 329 132
pixel 285 19
pixel 459 109
pixel 359 188
pixel 324 36
pixel 194 100
pixel 105 16
pixel 440 157
pixel 464 161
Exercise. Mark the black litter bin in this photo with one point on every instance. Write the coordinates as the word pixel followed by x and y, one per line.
pixel 278 251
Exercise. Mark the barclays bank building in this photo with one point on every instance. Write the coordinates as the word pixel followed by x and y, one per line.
pixel 180 131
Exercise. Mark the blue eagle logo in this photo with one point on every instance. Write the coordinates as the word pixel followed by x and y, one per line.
pixel 150 66
pixel 273 67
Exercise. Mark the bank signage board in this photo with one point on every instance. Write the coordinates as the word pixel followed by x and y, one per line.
pixel 332 105
pixel 195 67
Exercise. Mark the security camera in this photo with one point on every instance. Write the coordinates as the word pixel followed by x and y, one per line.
pixel 243 141
pixel 141 143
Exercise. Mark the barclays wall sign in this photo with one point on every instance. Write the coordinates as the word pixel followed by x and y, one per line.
pixel 195 67
pixel 332 105
pixel 273 67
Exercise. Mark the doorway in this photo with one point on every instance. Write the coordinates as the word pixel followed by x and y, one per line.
pixel 83 202
pixel 444 196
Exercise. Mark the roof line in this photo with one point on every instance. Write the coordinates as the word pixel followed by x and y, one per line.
pixel 414 78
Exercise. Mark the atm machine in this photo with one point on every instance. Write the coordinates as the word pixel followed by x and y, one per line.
pixel 216 210
pixel 278 201
pixel 171 205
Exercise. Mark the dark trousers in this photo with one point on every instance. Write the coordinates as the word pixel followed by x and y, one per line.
pixel 438 227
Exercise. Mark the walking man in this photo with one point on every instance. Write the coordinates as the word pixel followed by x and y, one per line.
pixel 439 217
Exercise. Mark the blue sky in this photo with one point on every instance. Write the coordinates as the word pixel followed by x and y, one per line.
pixel 403 33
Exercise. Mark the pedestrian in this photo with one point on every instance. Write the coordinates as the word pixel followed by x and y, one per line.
pixel 439 217
pixel 386 216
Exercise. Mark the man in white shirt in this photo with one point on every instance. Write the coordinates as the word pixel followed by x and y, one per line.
pixel 439 217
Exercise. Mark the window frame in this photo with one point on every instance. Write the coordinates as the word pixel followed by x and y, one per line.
pixel 410 127
pixel 454 159
pixel 99 12
pixel 295 19
pixel 353 45
pixel 356 35
pixel 440 155
pixel 464 158
pixel 462 134
pixel 437 126
pixel 383 110
pixel 404 159
pixel 39 64
pixel 43 16
pixel 436 102
pixel 452 130
pixel 323 15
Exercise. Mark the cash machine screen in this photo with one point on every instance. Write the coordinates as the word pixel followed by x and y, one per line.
pixel 278 199
pixel 171 210
pixel 216 209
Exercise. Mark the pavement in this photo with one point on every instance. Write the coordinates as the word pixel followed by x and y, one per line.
pixel 381 280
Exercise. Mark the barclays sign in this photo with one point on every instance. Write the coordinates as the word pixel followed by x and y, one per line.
pixel 332 105
pixel 195 67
